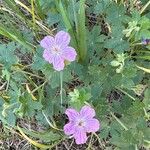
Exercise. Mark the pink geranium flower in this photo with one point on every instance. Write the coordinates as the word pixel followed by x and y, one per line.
pixel 57 50
pixel 81 123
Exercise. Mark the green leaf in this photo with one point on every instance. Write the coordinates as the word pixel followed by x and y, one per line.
pixel 53 18
pixel 46 136
pixel 97 75
pixel 28 106
pixel 130 70
pixel 118 45
pixel 9 108
pixel 115 14
pixel 101 107
pixel 137 109
pixel 51 102
pixel 79 97
pixel 54 76
pixel 35 143
pixel 7 54
pixel 102 6
pixel 146 100
pixel 38 61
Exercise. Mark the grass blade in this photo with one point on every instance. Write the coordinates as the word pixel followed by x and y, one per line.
pixel 11 4
pixel 82 31
pixel 145 7
pixel 33 13
pixel 14 35
pixel 143 57
pixel 144 69
pixel 39 10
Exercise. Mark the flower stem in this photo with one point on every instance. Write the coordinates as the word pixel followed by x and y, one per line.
pixel 61 88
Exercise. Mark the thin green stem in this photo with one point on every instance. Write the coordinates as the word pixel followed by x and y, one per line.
pixel 90 143
pixel 119 121
pixel 135 44
pixel 61 88
pixel 146 141
pixel 7 86
pixel 136 148
pixel 28 73
pixel 50 124
pixel 99 140
pixel 42 85
pixel 125 93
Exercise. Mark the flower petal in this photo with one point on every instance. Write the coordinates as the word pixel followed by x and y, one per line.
pixel 47 42
pixel 62 38
pixel 92 125
pixel 69 128
pixel 80 136
pixel 69 53
pixel 72 114
pixel 48 56
pixel 58 63
pixel 87 112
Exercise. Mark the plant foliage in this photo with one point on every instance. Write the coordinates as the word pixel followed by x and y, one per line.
pixel 111 72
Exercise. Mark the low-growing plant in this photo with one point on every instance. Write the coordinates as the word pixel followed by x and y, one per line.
pixel 69 61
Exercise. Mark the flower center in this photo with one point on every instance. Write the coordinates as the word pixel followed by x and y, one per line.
pixel 81 123
pixel 56 50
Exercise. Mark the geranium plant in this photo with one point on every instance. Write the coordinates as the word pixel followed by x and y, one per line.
pixel 75 74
